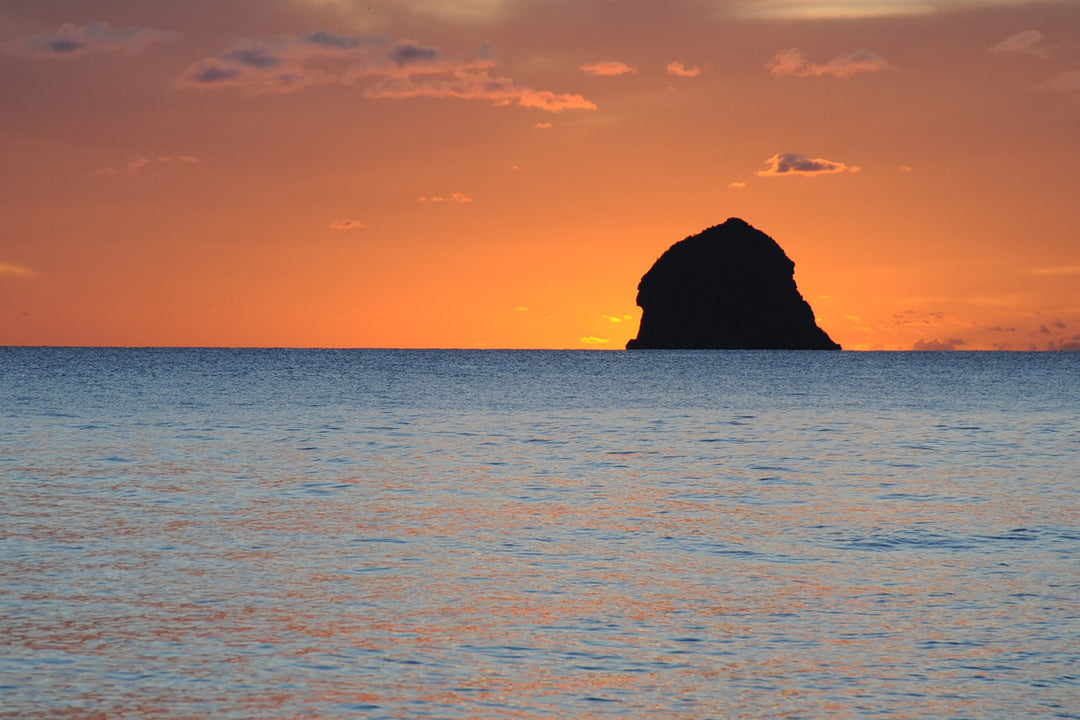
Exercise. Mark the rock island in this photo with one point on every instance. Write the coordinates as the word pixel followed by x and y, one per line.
pixel 729 287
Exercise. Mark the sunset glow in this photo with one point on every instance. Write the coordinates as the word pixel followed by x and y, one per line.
pixel 500 173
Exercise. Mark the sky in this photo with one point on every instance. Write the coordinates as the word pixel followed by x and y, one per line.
pixel 501 173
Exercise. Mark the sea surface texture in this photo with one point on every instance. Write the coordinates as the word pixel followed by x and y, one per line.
pixel 456 534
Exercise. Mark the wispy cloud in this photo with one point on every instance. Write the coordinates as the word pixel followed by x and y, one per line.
pixel 1057 270
pixel 75 41
pixel 794 62
pixel 593 340
pixel 347 224
pixel 677 69
pixel 455 197
pixel 1070 345
pixel 1068 81
pixel 17 271
pixel 796 164
pixel 736 185
pixel 1027 42
pixel 608 68
pixel 543 126
pixel 399 70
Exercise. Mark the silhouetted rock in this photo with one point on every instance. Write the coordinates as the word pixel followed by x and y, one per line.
pixel 729 287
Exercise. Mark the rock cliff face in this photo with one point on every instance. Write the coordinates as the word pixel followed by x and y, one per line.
pixel 729 287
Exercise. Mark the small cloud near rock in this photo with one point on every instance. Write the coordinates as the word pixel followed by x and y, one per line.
pixel 608 68
pixel 789 163
pixel 347 224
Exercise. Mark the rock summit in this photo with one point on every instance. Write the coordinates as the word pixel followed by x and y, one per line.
pixel 729 287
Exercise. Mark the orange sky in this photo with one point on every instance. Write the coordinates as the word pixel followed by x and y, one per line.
pixel 500 173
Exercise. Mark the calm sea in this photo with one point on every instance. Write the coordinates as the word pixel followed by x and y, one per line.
pixel 455 534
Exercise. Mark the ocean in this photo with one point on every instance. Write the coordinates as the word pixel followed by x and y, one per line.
pixel 213 533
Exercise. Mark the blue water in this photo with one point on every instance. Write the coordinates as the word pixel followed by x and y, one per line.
pixel 456 534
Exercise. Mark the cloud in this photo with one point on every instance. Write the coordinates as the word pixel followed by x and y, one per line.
pixel 140 163
pixel 455 197
pixel 1057 270
pixel 287 63
pixel 399 70
pixel 796 164
pixel 608 68
pixel 347 224
pixel 794 62
pixel 1068 81
pixel 926 345
pixel 1072 345
pixel 17 271
pixel 1027 42
pixel 593 340
pixel 736 185
pixel 71 42
pixel 542 126
pixel 677 69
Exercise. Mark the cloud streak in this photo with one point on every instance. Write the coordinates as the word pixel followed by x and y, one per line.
pixel 71 42
pixel 139 163
pixel 16 271
pixel 1061 270
pixel 398 70
pixel 796 164
pixel 795 63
